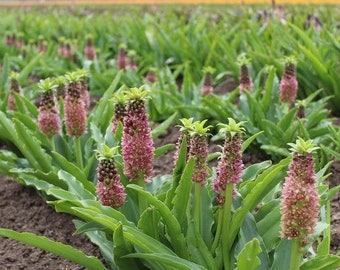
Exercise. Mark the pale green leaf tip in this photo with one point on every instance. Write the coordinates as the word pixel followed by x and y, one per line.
pixel 301 146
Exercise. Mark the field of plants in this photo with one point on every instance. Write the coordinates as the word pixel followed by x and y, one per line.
pixel 176 137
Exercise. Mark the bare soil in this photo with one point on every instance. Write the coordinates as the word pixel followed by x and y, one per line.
pixel 22 209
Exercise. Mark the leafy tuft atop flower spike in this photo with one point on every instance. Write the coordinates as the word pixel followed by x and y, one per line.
pixel 301 146
pixel 47 84
pixel 199 129
pixel 137 93
pixel 232 128
pixel 106 152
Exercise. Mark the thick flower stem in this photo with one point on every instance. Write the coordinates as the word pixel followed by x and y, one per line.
pixel 295 257
pixel 226 225
pixel 142 202
pixel 78 152
pixel 53 143
pixel 197 206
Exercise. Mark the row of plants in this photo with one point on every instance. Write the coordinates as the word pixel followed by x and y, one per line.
pixel 95 161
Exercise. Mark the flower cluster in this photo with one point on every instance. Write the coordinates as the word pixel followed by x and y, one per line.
pixel 230 166
pixel 198 150
pixel 119 110
pixel 300 199
pixel 75 108
pixel 289 83
pixel 246 82
pixel 110 190
pixel 48 117
pixel 137 143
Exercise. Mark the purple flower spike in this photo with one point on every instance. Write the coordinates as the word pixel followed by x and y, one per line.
pixel 48 117
pixel 75 112
pixel 207 87
pixel 119 110
pixel 246 82
pixel 137 143
pixel 300 199
pixel 110 190
pixel 289 83
pixel 199 151
pixel 230 166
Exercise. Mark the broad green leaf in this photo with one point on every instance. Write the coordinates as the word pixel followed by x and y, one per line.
pixel 98 237
pixel 41 159
pixel 75 171
pixel 247 258
pixel 60 249
pixel 168 260
pixel 247 142
pixel 29 68
pixel 75 186
pixel 182 195
pixel 172 225
pixel 121 248
pixel 178 171
pixel 282 255
pixel 324 262
pixel 264 183
pixel 160 129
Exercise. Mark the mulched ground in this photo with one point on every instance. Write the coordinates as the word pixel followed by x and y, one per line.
pixel 22 209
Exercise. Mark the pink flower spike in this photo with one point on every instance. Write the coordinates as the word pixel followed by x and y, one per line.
pixel 300 199
pixel 75 112
pixel 199 151
pixel 289 83
pixel 110 190
pixel 137 143
pixel 230 167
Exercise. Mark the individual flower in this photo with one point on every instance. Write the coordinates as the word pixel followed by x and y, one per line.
pixel 14 87
pixel 62 47
pixel 110 190
pixel 185 128
pixel 199 152
pixel 207 87
pixel 300 199
pixel 75 112
pixel 90 50
pixel 137 143
pixel 48 117
pixel 289 83
pixel 246 82
pixel 132 61
pixel 121 57
pixel 230 166
pixel 119 110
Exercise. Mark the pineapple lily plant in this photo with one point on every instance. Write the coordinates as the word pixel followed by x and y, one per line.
pixel 96 162
pixel 198 217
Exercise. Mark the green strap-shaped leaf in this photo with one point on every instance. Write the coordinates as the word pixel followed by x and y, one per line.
pixel 121 248
pixel 60 249
pixel 325 262
pixel 247 258
pixel 179 168
pixel 74 171
pixel 160 129
pixel 172 225
pixel 172 262
pixel 182 195
pixel 32 145
pixel 29 68
pixel 75 186
pixel 264 184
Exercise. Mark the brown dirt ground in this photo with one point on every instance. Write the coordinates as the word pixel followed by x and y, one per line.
pixel 22 209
